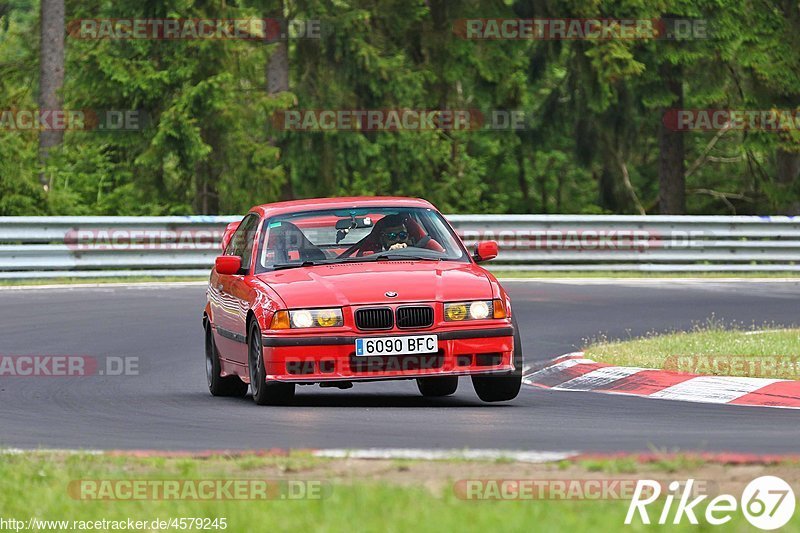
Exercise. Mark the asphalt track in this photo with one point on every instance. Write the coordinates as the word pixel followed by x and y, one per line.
pixel 167 406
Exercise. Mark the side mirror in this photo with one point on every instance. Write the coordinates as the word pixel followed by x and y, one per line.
pixel 228 265
pixel 485 251
pixel 230 229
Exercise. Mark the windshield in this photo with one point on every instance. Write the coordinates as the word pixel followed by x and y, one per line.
pixel 356 235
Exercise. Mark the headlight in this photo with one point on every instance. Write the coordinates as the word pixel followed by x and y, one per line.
pixel 316 318
pixel 455 312
pixel 301 319
pixel 479 310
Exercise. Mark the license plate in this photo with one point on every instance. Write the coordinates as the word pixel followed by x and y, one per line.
pixel 397 345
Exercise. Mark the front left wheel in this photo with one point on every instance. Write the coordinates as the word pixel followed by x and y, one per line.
pixel 437 386
pixel 264 393
pixel 218 385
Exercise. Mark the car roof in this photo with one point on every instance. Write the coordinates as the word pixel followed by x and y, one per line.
pixel 311 204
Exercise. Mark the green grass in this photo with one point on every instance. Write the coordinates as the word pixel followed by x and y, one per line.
pixel 665 462
pixel 711 349
pixel 35 485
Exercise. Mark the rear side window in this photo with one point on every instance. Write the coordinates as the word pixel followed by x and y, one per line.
pixel 242 241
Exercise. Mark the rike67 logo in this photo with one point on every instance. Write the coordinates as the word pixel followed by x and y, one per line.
pixel 767 502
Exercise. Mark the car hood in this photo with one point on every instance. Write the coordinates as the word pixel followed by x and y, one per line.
pixel 367 283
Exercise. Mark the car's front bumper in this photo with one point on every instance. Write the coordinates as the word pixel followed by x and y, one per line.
pixel 319 358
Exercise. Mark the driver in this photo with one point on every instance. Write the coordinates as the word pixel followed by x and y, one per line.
pixel 394 233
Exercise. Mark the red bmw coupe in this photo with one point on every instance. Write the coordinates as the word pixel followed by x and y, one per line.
pixel 338 290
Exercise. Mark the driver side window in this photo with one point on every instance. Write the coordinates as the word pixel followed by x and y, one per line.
pixel 242 241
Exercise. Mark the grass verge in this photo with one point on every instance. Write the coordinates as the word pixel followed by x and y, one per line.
pixel 768 351
pixel 362 496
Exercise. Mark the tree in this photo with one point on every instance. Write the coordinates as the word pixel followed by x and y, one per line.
pixel 594 140
pixel 671 160
pixel 278 82
pixel 51 75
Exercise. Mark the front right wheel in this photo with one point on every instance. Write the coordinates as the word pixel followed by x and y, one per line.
pixel 506 386
pixel 264 393
pixel 218 385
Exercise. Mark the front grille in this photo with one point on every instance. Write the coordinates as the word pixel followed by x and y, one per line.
pixel 415 317
pixel 374 318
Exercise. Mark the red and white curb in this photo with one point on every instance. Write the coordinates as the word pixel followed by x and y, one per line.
pixel 573 372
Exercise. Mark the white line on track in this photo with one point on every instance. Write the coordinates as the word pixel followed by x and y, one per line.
pixel 44 451
pixel 430 455
pixel 366 453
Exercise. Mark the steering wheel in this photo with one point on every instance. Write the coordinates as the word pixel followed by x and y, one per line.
pixel 353 248
pixel 423 242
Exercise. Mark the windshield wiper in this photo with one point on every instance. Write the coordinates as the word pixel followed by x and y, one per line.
pixel 363 259
pixel 283 266
pixel 403 257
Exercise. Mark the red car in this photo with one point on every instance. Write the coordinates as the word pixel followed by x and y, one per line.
pixel 334 291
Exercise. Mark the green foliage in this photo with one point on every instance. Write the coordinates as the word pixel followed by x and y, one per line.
pixel 593 109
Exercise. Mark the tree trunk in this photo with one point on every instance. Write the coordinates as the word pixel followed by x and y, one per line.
pixel 522 179
pixel 51 75
pixel 439 47
pixel 788 166
pixel 671 166
pixel 559 190
pixel 207 175
pixel 278 69
pixel 787 173
pixel 277 82
pixel 609 197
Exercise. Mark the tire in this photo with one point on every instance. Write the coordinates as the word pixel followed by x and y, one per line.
pixel 437 386
pixel 218 385
pixel 502 387
pixel 264 393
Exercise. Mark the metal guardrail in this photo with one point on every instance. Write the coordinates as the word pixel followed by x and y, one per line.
pixel 638 243
pixel 49 247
